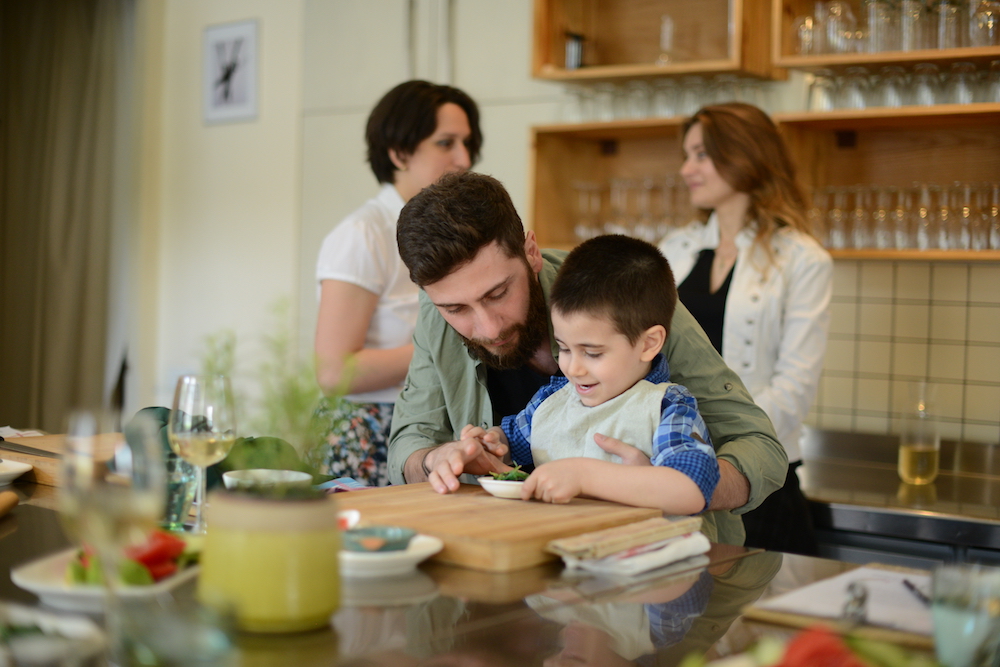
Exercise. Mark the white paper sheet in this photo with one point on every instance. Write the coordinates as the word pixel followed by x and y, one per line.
pixel 890 603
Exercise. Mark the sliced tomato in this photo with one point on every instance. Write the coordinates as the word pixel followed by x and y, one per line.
pixel 162 569
pixel 160 547
pixel 819 647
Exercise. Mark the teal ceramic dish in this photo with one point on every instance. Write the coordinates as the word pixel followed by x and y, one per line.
pixel 377 538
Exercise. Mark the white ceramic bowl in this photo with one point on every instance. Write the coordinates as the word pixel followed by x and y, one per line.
pixel 502 488
pixel 11 470
pixel 262 477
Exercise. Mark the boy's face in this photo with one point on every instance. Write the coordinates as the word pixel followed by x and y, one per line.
pixel 597 359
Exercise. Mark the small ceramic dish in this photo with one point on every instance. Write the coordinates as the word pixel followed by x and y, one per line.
pixel 389 563
pixel 502 488
pixel 256 478
pixel 378 538
pixel 11 470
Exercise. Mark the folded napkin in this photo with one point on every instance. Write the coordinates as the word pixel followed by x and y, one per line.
pixel 644 558
pixel 601 543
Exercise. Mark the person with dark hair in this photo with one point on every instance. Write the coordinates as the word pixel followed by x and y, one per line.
pixel 612 304
pixel 367 305
pixel 483 347
pixel 758 282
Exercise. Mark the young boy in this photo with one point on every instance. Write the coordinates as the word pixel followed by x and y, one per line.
pixel 612 303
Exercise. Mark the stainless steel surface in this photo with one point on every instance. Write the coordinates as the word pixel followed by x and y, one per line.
pixel 854 486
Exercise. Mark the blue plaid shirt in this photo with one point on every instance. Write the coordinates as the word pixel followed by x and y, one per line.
pixel 681 441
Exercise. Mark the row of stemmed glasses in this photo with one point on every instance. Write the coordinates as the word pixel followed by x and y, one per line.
pixel 645 207
pixel 923 216
pixel 893 86
pixel 108 508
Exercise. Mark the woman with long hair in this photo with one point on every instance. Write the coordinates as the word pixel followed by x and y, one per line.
pixel 417 132
pixel 753 275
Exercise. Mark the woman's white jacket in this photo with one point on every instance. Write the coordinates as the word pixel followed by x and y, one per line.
pixel 776 321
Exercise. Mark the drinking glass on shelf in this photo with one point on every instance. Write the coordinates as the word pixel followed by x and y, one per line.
pixel 725 88
pixel 664 102
pixel 926 84
pixel 108 510
pixel 881 20
pixel 637 94
pixel 984 23
pixel 913 25
pixel 892 89
pixel 822 91
pixel 841 27
pixel 882 232
pixel 805 35
pixel 692 95
pixel 992 221
pixel 666 40
pixel 899 215
pixel 924 232
pixel 837 220
pixel 991 88
pixel 588 210
pixel 604 102
pixel 202 427
pixel 962 83
pixel 861 220
pixel 854 88
pixel 645 228
pixel 946 17
pixel 945 218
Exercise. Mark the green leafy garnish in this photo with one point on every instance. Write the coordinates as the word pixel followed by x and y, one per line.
pixel 515 475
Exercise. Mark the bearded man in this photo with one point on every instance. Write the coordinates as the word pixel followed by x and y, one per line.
pixel 483 346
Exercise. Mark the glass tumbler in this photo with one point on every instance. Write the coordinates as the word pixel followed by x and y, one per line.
pixel 919 440
pixel 962 83
pixel 926 84
pixel 965 607
pixel 881 19
pixel 692 95
pixel 822 91
pixel 947 27
pixel 913 25
pixel 664 103
pixel 854 88
pixel 991 89
pixel 984 23
pixel 637 94
pixel 892 88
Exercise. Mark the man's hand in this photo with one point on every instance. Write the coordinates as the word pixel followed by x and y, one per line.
pixel 556 481
pixel 469 455
pixel 630 456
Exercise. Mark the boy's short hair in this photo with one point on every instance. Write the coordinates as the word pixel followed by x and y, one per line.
pixel 624 279
pixel 445 225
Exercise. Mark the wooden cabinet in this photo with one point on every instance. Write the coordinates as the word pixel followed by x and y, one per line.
pixel 621 38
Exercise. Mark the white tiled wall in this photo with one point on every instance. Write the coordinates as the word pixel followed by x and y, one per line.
pixel 897 322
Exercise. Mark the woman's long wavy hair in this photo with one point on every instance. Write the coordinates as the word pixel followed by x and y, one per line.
pixel 750 155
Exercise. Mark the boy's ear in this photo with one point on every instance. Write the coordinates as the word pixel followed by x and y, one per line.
pixel 652 340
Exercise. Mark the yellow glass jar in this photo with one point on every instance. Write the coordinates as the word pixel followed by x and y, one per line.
pixel 272 563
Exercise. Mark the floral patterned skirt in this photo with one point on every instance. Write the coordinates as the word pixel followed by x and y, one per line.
pixel 355 440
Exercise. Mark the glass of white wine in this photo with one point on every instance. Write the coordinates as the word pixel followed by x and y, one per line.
pixel 202 427
pixel 107 508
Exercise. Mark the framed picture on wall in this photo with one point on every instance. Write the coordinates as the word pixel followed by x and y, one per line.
pixel 230 72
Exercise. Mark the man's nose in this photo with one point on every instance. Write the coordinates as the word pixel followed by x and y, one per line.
pixel 488 326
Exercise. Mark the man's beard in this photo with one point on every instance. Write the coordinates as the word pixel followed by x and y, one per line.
pixel 528 336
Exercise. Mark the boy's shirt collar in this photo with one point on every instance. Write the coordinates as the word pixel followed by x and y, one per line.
pixel 659 371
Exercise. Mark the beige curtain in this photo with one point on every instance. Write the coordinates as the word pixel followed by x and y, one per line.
pixel 60 61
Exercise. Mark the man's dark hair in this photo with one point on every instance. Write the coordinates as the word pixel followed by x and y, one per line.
pixel 445 225
pixel 407 115
pixel 624 279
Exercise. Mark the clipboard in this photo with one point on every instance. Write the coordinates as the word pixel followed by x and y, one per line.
pixel 895 614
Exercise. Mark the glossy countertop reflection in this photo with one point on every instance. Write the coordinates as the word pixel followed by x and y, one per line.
pixel 443 615
pixel 854 478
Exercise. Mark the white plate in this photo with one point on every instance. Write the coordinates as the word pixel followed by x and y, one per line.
pixel 502 488
pixel 388 563
pixel 63 636
pixel 11 470
pixel 46 578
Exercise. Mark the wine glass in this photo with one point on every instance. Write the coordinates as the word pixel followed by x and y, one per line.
pixel 108 508
pixel 202 427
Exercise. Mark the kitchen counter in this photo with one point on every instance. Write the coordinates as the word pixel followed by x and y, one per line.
pixel 860 505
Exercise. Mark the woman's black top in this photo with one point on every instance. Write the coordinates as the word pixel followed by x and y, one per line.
pixel 696 294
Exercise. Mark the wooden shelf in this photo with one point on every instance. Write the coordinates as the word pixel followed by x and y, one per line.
pixel 921 117
pixel 621 39
pixel 919 255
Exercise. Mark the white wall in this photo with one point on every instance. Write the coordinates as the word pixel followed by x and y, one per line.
pixel 227 196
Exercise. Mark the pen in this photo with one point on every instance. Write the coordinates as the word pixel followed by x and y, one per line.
pixel 919 594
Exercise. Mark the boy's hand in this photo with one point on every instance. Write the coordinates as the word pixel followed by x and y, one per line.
pixel 630 456
pixel 556 481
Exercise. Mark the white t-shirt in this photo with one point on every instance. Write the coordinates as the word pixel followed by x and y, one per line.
pixel 362 251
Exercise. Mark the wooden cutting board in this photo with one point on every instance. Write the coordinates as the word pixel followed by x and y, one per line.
pixel 482 532
pixel 46 469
